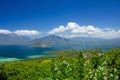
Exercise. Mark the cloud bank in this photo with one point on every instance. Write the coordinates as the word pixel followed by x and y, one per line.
pixel 75 30
pixel 71 30
pixel 3 31
pixel 21 32
pixel 27 32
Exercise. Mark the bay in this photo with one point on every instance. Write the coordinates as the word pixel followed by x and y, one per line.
pixel 18 52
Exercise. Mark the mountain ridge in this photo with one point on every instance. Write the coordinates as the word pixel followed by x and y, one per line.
pixel 13 39
pixel 50 40
pixel 53 40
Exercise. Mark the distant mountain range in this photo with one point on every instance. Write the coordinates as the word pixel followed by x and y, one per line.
pixel 97 41
pixel 13 39
pixel 52 40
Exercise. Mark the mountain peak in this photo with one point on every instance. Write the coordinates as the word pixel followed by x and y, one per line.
pixel 52 36
pixel 50 40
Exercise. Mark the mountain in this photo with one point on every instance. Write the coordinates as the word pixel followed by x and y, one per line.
pixel 97 41
pixel 13 39
pixel 51 40
pixel 87 39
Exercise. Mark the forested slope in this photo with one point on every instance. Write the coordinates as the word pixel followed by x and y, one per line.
pixel 93 64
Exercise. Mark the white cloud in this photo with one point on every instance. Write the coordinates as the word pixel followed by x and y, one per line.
pixel 27 32
pixel 72 25
pixel 5 31
pixel 57 30
pixel 20 32
pixel 119 31
pixel 75 30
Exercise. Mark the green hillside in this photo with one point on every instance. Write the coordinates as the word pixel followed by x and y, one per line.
pixel 93 64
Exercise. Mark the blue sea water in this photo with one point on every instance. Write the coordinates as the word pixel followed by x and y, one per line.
pixel 18 52
pixel 14 52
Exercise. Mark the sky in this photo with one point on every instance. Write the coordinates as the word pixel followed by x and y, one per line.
pixel 66 18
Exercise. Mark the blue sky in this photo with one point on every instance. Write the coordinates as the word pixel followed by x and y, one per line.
pixel 46 15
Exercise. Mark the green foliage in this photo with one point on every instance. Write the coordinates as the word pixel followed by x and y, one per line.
pixel 93 64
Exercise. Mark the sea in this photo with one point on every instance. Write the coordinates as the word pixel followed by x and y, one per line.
pixel 21 52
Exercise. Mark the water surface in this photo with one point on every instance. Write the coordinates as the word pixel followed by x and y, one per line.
pixel 18 52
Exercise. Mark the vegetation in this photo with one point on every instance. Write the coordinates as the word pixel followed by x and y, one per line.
pixel 93 64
